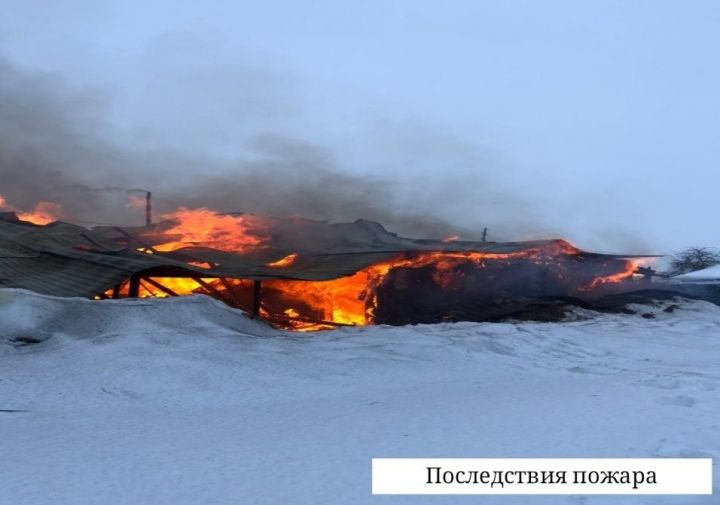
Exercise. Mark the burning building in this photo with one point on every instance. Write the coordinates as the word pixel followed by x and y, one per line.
pixel 299 273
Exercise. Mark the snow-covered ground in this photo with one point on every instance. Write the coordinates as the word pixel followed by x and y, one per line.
pixel 185 401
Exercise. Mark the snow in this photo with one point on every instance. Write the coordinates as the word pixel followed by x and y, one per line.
pixel 186 401
pixel 706 274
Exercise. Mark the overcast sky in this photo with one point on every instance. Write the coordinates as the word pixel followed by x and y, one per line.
pixel 597 120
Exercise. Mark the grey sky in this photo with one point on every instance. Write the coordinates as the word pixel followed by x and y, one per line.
pixel 593 120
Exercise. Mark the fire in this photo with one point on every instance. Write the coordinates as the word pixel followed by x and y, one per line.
pixel 627 273
pixel 43 212
pixel 178 285
pixel 149 289
pixel 352 300
pixel 340 300
pixel 362 298
pixel 283 262
pixel 374 294
pixel 204 227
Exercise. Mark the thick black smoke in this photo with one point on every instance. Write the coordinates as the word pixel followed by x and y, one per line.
pixel 52 149
pixel 48 151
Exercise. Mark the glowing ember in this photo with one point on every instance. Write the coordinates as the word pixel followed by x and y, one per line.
pixel 283 262
pixel 203 227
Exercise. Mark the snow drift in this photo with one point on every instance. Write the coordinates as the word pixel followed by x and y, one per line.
pixel 188 401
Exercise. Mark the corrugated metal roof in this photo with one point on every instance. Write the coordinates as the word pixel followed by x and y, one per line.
pixel 67 260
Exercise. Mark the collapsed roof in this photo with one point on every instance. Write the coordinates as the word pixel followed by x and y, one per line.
pixel 64 259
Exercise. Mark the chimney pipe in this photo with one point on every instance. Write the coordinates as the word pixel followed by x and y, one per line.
pixel 148 208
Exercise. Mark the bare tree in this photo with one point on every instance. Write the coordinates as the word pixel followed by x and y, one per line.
pixel 694 258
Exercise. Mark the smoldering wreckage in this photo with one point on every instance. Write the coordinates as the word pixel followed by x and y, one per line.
pixel 304 275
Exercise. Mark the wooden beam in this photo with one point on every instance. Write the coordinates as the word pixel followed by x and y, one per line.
pixel 212 289
pixel 144 286
pixel 134 291
pixel 226 283
pixel 231 293
pixel 257 288
pixel 158 285
pixel 116 292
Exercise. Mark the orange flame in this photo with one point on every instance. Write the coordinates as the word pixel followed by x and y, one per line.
pixel 178 285
pixel 283 262
pixel 43 212
pixel 352 300
pixel 627 273
pixel 203 227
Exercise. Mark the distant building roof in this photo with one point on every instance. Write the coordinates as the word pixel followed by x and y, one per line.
pixel 706 275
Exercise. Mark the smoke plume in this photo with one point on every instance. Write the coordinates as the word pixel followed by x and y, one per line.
pixel 52 149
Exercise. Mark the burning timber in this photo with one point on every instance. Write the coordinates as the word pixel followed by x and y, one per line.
pixel 303 274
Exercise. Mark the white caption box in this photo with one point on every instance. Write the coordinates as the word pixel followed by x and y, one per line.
pixel 673 476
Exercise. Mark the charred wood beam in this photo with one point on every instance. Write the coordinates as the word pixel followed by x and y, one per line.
pixel 134 290
pixel 226 283
pixel 144 286
pixel 116 292
pixel 257 288
pixel 209 287
pixel 231 293
pixel 158 285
